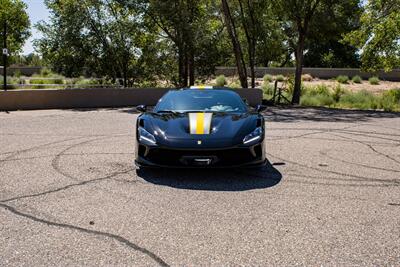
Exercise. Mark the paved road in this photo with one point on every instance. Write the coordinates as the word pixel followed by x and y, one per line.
pixel 69 195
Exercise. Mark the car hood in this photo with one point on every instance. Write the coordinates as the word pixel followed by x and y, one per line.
pixel 226 129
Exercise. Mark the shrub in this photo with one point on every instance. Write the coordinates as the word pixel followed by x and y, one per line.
pixel 45 72
pixel 306 78
pixel 268 89
pixel 338 92
pixel 374 80
pixel 342 79
pixel 17 74
pixel 356 79
pixel 235 83
pixel 317 100
pixel 361 100
pixel 87 82
pixel 220 81
pixel 395 93
pixel 390 100
pixel 268 78
pixel 280 78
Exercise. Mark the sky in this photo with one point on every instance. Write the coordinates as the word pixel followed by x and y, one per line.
pixel 37 11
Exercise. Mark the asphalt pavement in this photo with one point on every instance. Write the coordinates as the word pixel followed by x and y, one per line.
pixel 70 195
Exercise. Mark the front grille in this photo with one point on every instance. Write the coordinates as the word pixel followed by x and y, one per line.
pixel 173 157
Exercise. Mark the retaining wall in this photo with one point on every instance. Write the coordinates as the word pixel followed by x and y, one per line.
pixel 94 98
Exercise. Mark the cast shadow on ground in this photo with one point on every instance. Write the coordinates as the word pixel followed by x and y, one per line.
pixel 321 114
pixel 214 179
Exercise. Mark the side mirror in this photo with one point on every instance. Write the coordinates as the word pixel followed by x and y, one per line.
pixel 261 108
pixel 141 108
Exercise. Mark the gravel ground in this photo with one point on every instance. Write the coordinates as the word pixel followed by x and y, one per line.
pixel 70 195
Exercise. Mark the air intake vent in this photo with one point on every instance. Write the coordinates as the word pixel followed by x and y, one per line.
pixel 259 122
pixel 141 123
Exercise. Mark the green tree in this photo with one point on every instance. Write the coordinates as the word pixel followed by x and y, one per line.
pixel 237 47
pixel 379 35
pixel 13 12
pixel 324 44
pixel 190 27
pixel 99 37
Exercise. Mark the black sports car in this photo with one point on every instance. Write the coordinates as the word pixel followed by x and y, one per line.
pixel 200 128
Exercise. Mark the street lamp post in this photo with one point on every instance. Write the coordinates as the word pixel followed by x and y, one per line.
pixel 5 54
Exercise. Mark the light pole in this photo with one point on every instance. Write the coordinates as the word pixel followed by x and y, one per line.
pixel 5 54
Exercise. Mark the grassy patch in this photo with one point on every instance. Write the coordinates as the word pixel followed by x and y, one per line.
pixel 342 79
pixel 374 80
pixel 356 79
pixel 338 97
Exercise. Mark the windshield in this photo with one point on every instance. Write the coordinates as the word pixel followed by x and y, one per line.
pixel 201 100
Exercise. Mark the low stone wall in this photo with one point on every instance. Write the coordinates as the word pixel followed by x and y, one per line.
pixel 94 98
pixel 26 71
pixel 322 73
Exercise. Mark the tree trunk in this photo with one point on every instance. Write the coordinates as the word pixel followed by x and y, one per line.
pixel 230 25
pixel 299 69
pixel 182 67
pixel 252 66
pixel 191 68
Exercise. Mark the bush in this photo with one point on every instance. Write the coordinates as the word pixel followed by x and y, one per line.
pixel 220 81
pixel 306 78
pixel 317 100
pixel 45 72
pixel 342 79
pixel 235 83
pixel 268 89
pixel 390 100
pixel 338 92
pixel 361 100
pixel 268 78
pixel 374 80
pixel 356 79
pixel 17 74
pixel 87 82
pixel 280 78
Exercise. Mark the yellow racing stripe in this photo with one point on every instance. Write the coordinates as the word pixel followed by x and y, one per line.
pixel 200 123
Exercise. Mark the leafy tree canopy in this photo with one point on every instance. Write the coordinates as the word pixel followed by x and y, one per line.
pixel 13 12
pixel 379 35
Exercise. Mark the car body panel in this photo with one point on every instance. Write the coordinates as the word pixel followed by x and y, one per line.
pixel 174 138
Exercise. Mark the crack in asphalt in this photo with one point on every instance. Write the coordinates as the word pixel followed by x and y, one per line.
pixel 66 187
pixel 325 153
pixel 369 146
pixel 115 237
pixel 17 152
pixel 393 182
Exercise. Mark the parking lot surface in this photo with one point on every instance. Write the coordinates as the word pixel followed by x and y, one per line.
pixel 70 195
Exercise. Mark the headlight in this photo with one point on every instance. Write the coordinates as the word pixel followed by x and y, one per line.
pixel 254 136
pixel 145 137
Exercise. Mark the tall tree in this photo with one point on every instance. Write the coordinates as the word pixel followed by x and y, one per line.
pixel 237 49
pixel 324 45
pixel 101 36
pixel 297 16
pixel 13 12
pixel 189 25
pixel 379 35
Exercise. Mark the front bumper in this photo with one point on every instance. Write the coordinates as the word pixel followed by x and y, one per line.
pixel 206 158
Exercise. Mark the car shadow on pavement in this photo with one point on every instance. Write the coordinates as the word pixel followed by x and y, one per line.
pixel 214 179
